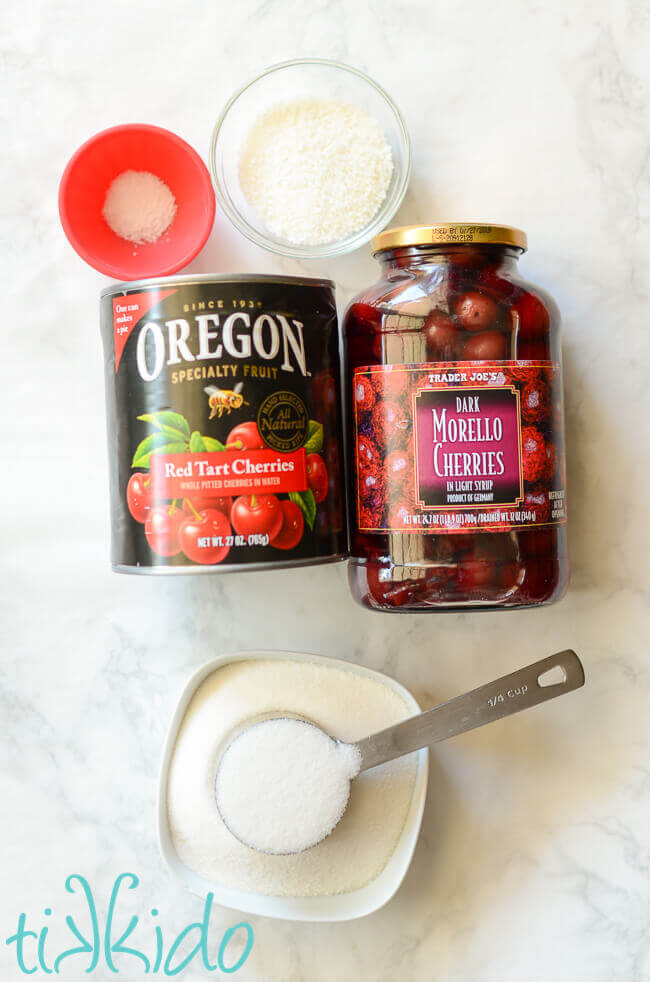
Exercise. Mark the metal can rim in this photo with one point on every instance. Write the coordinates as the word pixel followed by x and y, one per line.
pixel 227 568
pixel 192 278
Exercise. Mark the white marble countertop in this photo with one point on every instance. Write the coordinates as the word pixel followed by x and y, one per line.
pixel 534 860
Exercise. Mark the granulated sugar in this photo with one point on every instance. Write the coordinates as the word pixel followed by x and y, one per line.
pixel 346 705
pixel 283 785
pixel 315 170
pixel 139 207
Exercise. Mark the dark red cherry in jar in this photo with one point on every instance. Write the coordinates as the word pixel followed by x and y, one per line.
pixel 527 349
pixel 325 392
pixel 245 436
pixel 540 580
pixel 475 573
pixel 367 342
pixel 139 498
pixel 257 514
pixel 488 565
pixel 441 336
pixel 487 346
pixel 161 529
pixel 530 316
pixel 317 477
pixel 367 316
pixel 536 543
pixel 441 553
pixel 293 525
pixel 495 285
pixel 509 575
pixel 204 538
pixel 441 549
pixel 384 592
pixel 476 311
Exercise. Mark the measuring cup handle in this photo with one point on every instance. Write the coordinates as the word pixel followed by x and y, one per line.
pixel 537 683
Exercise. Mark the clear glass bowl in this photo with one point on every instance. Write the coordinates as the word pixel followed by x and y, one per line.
pixel 290 80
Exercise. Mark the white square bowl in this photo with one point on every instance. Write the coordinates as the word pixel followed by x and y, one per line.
pixel 339 907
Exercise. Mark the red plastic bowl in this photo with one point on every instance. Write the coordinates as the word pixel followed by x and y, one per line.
pixel 86 179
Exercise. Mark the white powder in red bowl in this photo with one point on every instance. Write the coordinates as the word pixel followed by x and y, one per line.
pixel 139 207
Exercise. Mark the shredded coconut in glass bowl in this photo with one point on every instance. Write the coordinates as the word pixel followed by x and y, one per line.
pixel 315 170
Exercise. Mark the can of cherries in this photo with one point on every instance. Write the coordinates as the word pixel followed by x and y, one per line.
pixel 224 423
pixel 455 428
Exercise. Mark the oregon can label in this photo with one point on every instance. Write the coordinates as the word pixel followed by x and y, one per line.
pixel 224 423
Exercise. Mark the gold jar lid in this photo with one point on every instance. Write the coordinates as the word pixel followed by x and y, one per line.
pixel 449 233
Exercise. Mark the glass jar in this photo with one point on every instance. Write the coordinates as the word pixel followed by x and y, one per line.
pixel 455 426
